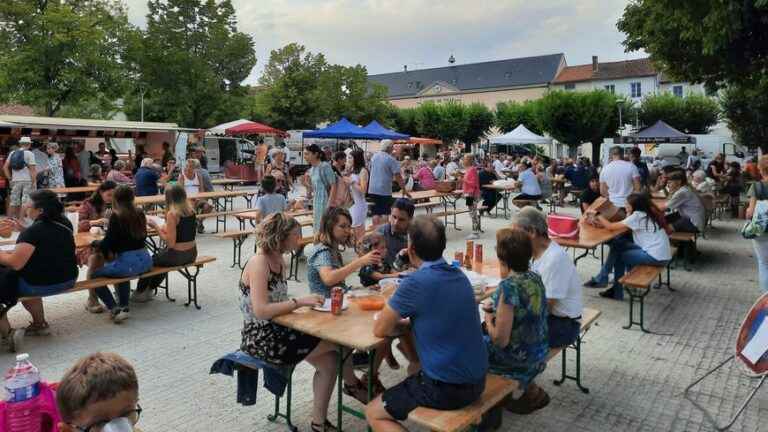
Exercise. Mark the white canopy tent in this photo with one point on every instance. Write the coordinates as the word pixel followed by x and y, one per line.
pixel 521 135
pixel 221 129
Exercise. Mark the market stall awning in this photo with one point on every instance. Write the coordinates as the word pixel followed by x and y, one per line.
pixel 254 128
pixel 660 132
pixel 419 141
pixel 380 132
pixel 342 129
pixel 222 128
pixel 70 124
pixel 520 135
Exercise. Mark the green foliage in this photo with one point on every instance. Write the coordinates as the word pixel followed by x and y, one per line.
pixel 453 121
pixel 58 55
pixel 693 114
pixel 479 120
pixel 710 41
pixel 510 115
pixel 745 109
pixel 405 121
pixel 429 120
pixel 577 117
pixel 301 90
pixel 191 62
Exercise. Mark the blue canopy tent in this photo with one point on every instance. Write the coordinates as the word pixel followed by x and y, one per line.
pixel 383 133
pixel 342 129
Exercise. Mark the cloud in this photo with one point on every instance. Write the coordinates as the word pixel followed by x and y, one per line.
pixel 384 35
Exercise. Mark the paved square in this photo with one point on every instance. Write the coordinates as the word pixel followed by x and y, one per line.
pixel 636 380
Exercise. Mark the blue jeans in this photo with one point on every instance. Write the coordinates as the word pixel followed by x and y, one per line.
pixel 761 255
pixel 28 290
pixel 624 256
pixel 617 245
pixel 126 264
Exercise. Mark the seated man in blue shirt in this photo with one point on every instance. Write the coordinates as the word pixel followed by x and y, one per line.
pixel 147 177
pixel 439 301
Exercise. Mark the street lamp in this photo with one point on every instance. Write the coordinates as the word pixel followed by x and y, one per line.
pixel 142 90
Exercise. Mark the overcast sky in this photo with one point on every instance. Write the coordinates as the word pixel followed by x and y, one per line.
pixel 384 35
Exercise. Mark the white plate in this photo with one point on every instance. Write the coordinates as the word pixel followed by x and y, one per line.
pixel 326 307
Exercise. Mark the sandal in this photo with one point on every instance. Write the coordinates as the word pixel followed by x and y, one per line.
pixel 357 391
pixel 378 387
pixel 392 362
pixel 34 329
pixel 327 426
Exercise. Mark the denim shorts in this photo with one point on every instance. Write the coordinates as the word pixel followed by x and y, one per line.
pixel 28 290
pixel 126 264
pixel 421 390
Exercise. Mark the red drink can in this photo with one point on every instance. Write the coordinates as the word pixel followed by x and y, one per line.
pixel 337 300
pixel 479 253
pixel 470 249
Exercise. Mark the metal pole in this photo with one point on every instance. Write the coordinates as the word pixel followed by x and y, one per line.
pixel 142 106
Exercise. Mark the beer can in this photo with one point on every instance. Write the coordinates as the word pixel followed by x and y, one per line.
pixel 479 253
pixel 470 249
pixel 337 300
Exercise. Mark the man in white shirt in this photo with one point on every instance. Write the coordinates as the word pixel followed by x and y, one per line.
pixel 84 159
pixel 619 178
pixel 499 167
pixel 451 169
pixel 557 271
pixel 22 176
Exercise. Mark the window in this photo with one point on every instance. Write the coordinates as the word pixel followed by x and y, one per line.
pixel 677 91
pixel 610 88
pixel 637 90
pixel 570 86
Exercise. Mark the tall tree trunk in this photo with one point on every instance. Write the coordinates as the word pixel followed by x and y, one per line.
pixel 596 152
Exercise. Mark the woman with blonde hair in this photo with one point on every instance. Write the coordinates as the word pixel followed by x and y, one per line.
pixel 178 233
pixel 264 295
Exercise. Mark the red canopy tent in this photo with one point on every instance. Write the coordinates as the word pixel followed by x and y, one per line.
pixel 254 128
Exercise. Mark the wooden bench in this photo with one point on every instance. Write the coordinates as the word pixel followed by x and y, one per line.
pixel 588 318
pixel 637 283
pixel 221 216
pixel 445 214
pixel 238 238
pixel 429 206
pixel 497 388
pixel 525 203
pixel 293 269
pixel 190 276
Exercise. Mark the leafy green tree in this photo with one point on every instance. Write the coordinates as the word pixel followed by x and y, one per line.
pixel 58 54
pixel 191 62
pixel 292 95
pixel 693 114
pixel 405 121
pixel 745 108
pixel 710 41
pixel 429 119
pixel 510 115
pixel 577 117
pixel 453 122
pixel 479 120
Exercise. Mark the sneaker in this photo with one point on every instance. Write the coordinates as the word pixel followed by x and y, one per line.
pixel 613 293
pixel 38 330
pixel 15 340
pixel 120 314
pixel 473 236
pixel 592 283
pixel 143 296
pixel 94 308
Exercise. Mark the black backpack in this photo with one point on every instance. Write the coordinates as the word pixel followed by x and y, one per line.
pixel 17 161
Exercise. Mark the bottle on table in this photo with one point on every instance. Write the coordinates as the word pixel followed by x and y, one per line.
pixel 22 386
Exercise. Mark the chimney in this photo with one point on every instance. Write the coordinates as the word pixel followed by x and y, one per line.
pixel 405 68
pixel 451 59
pixel 594 64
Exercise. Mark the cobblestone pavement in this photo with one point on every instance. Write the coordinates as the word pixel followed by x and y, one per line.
pixel 636 380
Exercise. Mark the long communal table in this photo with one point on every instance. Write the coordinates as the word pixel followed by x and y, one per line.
pixel 227 183
pixel 506 192
pixel 219 198
pixel 446 198
pixel 590 237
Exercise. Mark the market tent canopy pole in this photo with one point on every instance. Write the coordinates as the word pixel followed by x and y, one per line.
pixel 254 128
pixel 380 132
pixel 660 132
pixel 521 135
pixel 420 141
pixel 342 129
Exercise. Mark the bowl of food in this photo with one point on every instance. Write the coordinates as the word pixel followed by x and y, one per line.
pixel 371 302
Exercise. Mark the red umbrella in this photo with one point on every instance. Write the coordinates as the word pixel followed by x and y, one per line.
pixel 253 128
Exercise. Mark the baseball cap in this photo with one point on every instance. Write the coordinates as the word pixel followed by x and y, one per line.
pixel 25 140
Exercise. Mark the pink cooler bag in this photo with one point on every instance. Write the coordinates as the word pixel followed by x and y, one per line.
pixel 49 412
pixel 562 226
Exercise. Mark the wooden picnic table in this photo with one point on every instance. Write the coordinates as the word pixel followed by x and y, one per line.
pixel 228 183
pixel 506 191
pixel 77 189
pixel 352 329
pixel 446 198
pixel 590 237
pixel 82 239
pixel 303 217
pixel 216 196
